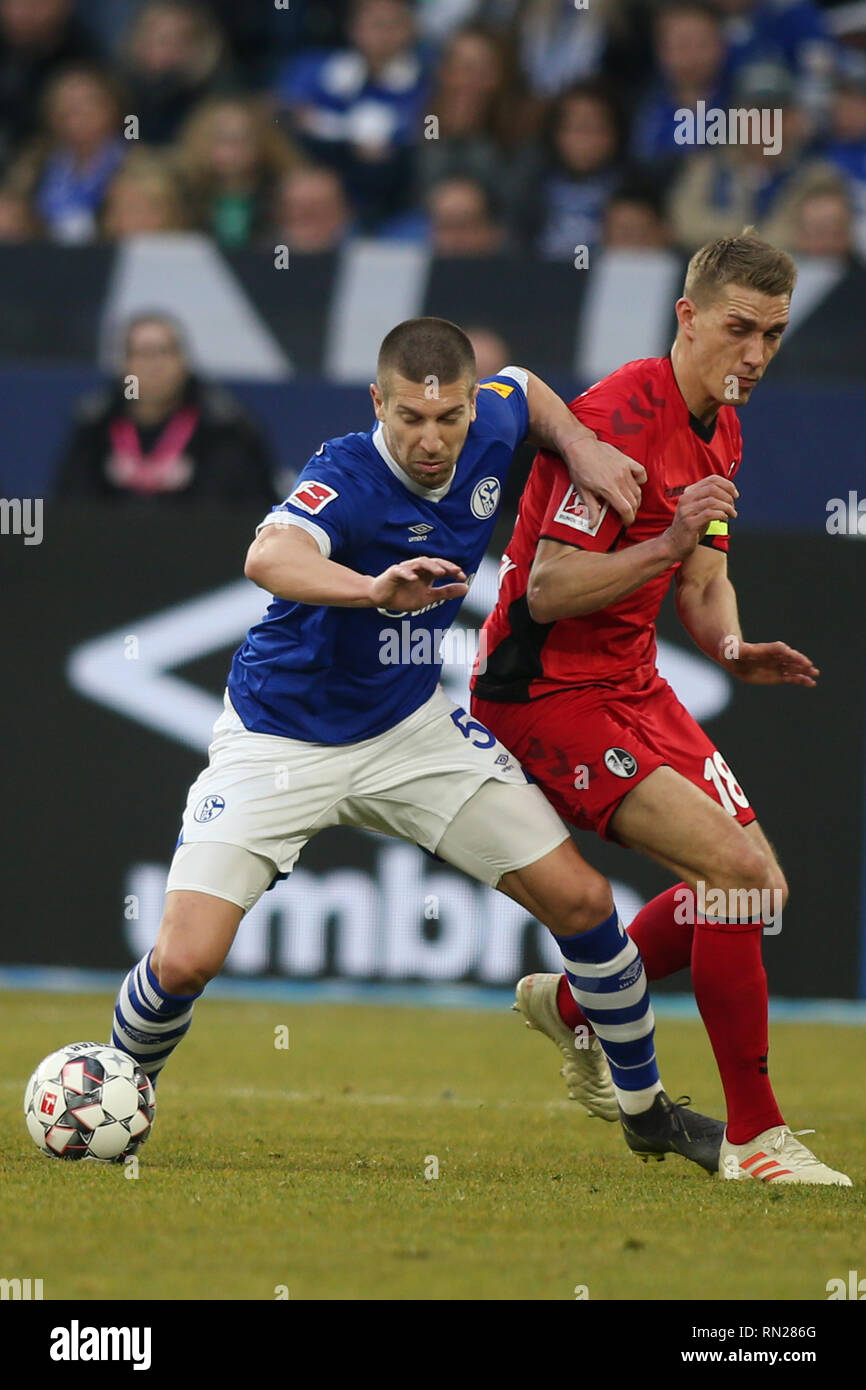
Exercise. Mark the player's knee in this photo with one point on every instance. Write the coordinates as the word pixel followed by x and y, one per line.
pixel 742 866
pixel 591 905
pixel 179 971
pixel 778 887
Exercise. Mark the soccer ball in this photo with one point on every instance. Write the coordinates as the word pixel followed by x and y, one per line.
pixel 88 1100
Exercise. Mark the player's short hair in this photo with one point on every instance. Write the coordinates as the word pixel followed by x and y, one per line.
pixel 739 260
pixel 426 347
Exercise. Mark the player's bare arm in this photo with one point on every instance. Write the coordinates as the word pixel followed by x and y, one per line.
pixel 707 606
pixel 287 563
pixel 597 469
pixel 566 582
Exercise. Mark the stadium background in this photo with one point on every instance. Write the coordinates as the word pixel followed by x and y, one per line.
pixel 100 748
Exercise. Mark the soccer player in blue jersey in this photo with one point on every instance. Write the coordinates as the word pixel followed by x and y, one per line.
pixel 319 729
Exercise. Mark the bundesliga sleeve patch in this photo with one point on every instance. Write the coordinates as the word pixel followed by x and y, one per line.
pixel 312 497
pixel 573 511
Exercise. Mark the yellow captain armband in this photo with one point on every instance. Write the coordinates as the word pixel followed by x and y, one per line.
pixel 498 386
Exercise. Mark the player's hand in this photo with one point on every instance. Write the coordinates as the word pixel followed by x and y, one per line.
pixel 412 584
pixel 603 474
pixel 771 663
pixel 711 499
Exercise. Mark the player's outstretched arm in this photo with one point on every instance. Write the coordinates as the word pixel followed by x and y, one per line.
pixel 707 607
pixel 597 469
pixel 287 563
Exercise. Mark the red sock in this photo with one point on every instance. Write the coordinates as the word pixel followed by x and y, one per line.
pixel 730 986
pixel 664 941
pixel 569 1010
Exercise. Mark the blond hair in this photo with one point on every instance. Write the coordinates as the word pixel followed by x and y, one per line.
pixel 275 153
pixel 153 173
pixel 739 260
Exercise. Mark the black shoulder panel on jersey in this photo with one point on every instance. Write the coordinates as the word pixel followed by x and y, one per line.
pixel 517 660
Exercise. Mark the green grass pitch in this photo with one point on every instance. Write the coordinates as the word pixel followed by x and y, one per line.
pixel 303 1168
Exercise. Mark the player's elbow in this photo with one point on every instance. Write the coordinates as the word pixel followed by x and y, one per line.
pixel 254 567
pixel 539 599
pixel 547 601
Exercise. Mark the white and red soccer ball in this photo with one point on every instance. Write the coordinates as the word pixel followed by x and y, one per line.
pixel 89 1100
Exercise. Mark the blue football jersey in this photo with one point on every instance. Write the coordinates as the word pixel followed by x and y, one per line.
pixel 339 675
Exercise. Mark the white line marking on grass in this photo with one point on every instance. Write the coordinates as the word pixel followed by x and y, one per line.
pixel 367 1098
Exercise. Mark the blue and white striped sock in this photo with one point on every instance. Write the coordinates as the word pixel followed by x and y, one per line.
pixel 148 1021
pixel 606 976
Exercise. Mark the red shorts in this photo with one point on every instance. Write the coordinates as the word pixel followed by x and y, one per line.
pixel 588 747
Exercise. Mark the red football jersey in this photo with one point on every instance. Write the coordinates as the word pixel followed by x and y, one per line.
pixel 638 409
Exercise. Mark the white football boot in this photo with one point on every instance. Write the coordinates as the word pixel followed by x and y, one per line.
pixel 777 1156
pixel 586 1071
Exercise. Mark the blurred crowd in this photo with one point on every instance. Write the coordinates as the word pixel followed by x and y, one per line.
pixel 469 126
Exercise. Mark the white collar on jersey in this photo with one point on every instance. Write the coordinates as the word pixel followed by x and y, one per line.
pixel 432 494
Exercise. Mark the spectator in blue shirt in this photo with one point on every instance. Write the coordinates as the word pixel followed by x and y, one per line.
pixel 689 60
pixel 68 170
pixel 788 31
pixel 846 145
pixel 584 164
pixel 359 109
pixel 791 32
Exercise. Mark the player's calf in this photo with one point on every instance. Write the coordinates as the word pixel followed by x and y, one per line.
pixel 603 967
pixel 149 1021
pixel 154 1006
pixel 606 976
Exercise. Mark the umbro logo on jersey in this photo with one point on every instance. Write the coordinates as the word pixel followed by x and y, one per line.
pixel 417 533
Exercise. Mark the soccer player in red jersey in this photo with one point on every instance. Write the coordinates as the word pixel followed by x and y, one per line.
pixel 570 684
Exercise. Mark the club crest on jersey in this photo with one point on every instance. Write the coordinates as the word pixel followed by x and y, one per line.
pixel 485 498
pixel 620 763
pixel 312 497
pixel 574 512
pixel 209 808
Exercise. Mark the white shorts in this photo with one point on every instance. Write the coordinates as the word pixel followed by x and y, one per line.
pixel 269 796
